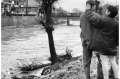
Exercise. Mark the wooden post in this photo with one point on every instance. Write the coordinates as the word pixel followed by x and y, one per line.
pixel 68 22
pixel 26 7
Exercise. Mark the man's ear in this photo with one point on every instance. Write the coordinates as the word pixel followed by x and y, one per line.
pixel 94 7
pixel 88 6
pixel 109 12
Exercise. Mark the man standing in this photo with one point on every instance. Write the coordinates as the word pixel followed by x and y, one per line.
pixel 86 36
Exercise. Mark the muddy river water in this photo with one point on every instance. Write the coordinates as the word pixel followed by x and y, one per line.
pixel 32 42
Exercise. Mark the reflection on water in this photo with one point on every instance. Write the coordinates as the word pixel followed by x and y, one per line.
pixel 33 42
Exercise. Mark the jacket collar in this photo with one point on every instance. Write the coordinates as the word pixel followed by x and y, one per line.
pixel 89 10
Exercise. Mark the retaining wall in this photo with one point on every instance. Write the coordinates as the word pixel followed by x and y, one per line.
pixel 18 20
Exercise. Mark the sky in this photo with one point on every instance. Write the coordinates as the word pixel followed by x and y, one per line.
pixel 68 5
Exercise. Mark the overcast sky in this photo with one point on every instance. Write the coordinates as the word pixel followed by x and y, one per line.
pixel 80 4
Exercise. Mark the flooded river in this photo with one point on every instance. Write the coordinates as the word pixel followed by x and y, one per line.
pixel 32 42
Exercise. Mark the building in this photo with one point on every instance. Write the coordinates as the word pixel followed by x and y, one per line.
pixel 19 6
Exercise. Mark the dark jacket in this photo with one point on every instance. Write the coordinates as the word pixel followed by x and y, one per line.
pixel 86 29
pixel 105 35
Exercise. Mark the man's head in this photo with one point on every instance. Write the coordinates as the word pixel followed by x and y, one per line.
pixel 99 10
pixel 90 4
pixel 111 11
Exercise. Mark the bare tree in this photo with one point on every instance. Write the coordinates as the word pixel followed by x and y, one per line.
pixel 46 10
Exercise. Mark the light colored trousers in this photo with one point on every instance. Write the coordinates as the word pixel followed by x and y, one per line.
pixel 105 65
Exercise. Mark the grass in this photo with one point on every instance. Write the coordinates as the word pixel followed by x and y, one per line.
pixel 66 56
pixel 26 65
pixel 29 65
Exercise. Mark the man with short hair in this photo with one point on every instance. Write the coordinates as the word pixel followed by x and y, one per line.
pixel 86 36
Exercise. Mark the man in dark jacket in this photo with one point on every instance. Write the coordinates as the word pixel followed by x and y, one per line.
pixel 107 29
pixel 86 36
pixel 105 36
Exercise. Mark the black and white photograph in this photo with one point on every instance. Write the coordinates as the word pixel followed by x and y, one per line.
pixel 59 39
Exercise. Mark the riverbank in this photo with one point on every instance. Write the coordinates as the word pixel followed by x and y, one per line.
pixel 69 69
pixel 72 70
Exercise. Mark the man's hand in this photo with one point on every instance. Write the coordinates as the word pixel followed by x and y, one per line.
pixel 93 17
pixel 96 52
pixel 82 40
pixel 117 49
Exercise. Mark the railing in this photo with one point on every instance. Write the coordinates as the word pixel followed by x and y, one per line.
pixel 66 15
pixel 53 15
pixel 25 11
pixel 32 11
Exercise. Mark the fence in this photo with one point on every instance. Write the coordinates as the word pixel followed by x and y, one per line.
pixel 18 20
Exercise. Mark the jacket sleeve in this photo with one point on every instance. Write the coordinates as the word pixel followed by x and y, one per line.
pixel 117 35
pixel 80 25
pixel 94 18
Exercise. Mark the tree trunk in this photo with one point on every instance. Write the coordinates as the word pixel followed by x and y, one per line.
pixel 49 30
pixel 51 46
